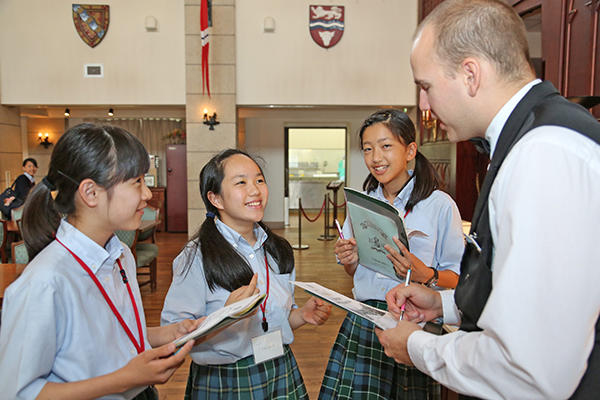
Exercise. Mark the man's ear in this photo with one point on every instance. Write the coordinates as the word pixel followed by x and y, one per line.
pixel 471 72
pixel 88 192
pixel 215 200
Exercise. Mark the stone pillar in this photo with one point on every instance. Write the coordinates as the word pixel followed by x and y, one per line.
pixel 203 143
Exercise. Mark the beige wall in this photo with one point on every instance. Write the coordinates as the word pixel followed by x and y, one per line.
pixel 369 65
pixel 43 57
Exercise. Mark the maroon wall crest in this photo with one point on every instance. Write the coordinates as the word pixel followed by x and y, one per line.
pixel 326 24
pixel 91 22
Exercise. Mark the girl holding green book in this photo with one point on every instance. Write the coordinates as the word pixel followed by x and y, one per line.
pixel 358 366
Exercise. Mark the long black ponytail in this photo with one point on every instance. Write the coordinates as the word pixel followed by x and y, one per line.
pixel 223 265
pixel 426 177
pixel 106 154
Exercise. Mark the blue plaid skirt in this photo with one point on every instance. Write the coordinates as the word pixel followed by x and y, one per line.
pixel 279 378
pixel 359 369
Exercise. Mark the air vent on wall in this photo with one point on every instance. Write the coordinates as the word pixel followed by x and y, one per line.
pixel 93 71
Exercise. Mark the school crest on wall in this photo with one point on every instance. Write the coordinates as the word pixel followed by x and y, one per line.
pixel 326 24
pixel 91 22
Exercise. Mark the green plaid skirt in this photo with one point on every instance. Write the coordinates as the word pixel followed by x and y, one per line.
pixel 279 378
pixel 359 369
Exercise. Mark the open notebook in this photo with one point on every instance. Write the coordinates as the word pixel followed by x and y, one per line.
pixel 223 317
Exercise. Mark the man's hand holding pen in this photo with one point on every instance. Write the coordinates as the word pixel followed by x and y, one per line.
pixel 420 304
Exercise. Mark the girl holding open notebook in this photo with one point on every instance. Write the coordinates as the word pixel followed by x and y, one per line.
pixel 73 323
pixel 358 366
pixel 233 253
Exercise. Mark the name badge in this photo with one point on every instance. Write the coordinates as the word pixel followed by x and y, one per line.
pixel 268 346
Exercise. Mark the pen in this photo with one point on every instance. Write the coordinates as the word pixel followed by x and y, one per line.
pixel 406 283
pixel 339 229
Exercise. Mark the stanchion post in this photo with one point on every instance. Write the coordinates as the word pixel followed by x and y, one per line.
pixel 299 246
pixel 334 205
pixel 326 235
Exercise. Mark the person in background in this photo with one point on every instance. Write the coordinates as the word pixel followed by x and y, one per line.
pixel 527 300
pixel 232 255
pixel 26 180
pixel 358 367
pixel 22 185
pixel 73 323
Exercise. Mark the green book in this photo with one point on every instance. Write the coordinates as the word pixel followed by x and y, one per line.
pixel 374 223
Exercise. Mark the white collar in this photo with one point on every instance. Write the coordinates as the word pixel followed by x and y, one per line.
pixel 493 131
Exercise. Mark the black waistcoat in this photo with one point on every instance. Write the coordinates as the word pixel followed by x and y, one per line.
pixel 542 105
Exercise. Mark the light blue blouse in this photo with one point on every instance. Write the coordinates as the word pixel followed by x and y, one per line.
pixel 56 325
pixel 190 297
pixel 438 217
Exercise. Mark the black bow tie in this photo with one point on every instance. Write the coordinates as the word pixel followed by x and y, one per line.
pixel 481 144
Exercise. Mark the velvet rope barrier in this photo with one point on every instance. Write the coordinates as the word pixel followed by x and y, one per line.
pixel 306 216
pixel 337 205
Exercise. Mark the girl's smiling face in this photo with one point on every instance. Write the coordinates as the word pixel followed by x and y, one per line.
pixel 126 203
pixel 244 193
pixel 386 156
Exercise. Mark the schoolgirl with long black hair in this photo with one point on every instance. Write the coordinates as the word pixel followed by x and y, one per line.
pixel 233 255
pixel 358 366
pixel 73 323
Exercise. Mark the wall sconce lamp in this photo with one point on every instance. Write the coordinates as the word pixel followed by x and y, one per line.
pixel 111 112
pixel 67 113
pixel 210 120
pixel 44 139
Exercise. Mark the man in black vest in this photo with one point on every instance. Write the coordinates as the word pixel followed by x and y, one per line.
pixel 527 301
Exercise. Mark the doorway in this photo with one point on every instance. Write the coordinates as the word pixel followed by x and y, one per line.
pixel 313 158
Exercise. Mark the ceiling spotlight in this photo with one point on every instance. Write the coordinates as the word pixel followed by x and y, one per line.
pixel 67 113
pixel 111 112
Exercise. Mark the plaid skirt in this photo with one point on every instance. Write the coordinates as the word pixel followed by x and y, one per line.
pixel 279 378
pixel 359 369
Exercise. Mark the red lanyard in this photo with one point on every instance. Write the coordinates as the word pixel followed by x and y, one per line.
pixel 263 305
pixel 406 213
pixel 138 346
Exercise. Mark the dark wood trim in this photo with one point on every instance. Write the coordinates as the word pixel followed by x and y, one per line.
pixel 524 6
pixel 553 41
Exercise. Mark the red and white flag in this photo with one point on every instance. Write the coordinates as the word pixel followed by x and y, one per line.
pixel 204 34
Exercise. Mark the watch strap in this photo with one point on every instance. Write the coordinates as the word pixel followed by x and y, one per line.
pixel 434 279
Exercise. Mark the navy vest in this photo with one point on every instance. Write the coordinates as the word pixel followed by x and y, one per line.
pixel 542 105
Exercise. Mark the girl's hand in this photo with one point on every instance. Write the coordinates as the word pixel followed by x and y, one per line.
pixel 315 311
pixel 403 260
pixel 243 292
pixel 154 365
pixel 347 253
pixel 186 326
